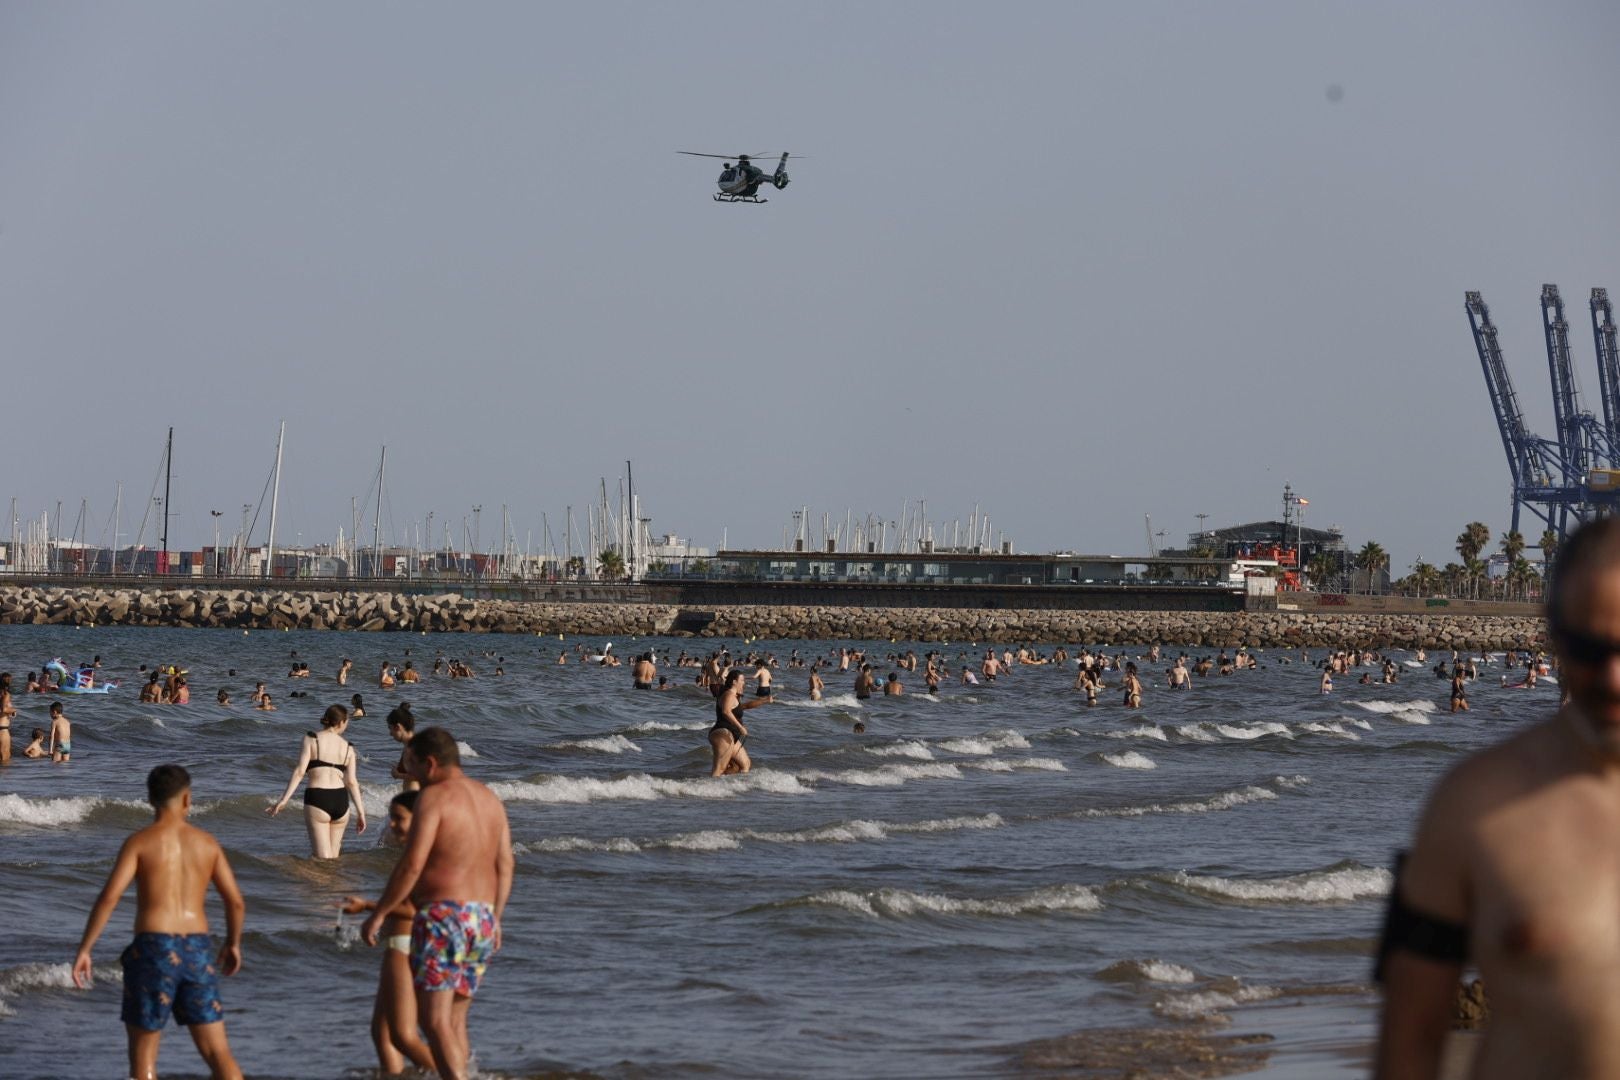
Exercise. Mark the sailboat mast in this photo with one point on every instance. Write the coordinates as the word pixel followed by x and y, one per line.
pixel 376 524
pixel 275 500
pixel 168 473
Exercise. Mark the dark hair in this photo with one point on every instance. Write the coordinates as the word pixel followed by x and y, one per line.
pixel 356 701
pixel 735 675
pixel 56 708
pixel 38 733
pixel 165 782
pixel 435 743
pixel 1594 543
pixel 407 799
pixel 333 716
pixel 400 716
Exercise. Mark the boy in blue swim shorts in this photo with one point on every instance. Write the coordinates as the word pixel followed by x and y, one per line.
pixel 170 968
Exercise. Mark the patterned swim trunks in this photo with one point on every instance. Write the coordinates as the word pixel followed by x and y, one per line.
pixel 166 973
pixel 450 946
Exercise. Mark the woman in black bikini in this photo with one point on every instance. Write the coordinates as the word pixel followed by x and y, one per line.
pixel 728 734
pixel 333 783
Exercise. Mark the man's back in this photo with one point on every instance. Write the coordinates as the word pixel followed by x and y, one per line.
pixel 174 863
pixel 469 834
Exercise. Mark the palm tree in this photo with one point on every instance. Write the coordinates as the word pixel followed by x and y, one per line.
pixel 1453 577
pixel 610 564
pixel 575 566
pixel 1371 558
pixel 1512 545
pixel 1472 540
pixel 1425 577
pixel 1548 546
pixel 1322 567
pixel 1475 569
pixel 1521 575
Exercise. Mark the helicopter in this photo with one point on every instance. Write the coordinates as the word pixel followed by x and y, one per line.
pixel 741 182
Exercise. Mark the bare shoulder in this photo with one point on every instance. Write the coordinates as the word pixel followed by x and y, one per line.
pixel 200 839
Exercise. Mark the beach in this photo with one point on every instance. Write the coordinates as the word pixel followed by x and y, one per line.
pixel 985 882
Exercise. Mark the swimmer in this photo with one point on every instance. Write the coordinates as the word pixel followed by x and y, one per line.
pixel 1133 687
pixel 7 712
pixel 642 672
pixel 892 688
pixel 36 744
pixel 393 1013
pixel 265 704
pixel 152 692
pixel 762 675
pixel 357 707
pixel 864 683
pixel 816 685
pixel 859 728
pixel 182 693
pixel 223 697
pixel 728 734
pixel 171 966
pixel 409 674
pixel 1327 680
pixel 401 726
pixel 343 671
pixel 259 696
pixel 61 733
pixel 385 678
pixel 1459 693
pixel 326 803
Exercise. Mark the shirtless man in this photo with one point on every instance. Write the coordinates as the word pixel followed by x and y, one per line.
pixel 343 671
pixel 816 685
pixel 864 683
pixel 168 967
pixel 457 869
pixel 762 678
pixel 643 672
pixel 1512 867
pixel 892 688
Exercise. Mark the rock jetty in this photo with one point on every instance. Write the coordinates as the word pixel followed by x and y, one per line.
pixel 378 611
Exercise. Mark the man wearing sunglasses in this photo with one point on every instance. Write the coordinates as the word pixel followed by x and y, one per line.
pixel 1515 868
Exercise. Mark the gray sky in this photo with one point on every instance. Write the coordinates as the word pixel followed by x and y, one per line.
pixel 1076 263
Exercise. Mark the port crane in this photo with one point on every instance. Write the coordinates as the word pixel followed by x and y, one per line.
pixel 1574 477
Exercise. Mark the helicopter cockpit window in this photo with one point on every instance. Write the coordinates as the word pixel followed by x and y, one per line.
pixel 727 175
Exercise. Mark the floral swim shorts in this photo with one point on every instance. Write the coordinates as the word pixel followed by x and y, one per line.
pixel 166 973
pixel 450 946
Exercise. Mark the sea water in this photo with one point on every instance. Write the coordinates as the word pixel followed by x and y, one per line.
pixel 981 880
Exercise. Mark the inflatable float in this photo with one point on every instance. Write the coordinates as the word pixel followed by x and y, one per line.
pixel 82 681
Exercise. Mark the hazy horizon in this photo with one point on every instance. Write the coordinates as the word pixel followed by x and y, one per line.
pixel 1075 264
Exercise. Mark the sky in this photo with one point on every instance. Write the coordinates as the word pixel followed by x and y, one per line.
pixel 1073 263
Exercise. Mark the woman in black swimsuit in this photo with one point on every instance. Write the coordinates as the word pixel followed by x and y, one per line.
pixel 333 783
pixel 728 734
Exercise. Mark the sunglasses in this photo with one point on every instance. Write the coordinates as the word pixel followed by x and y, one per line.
pixel 1586 649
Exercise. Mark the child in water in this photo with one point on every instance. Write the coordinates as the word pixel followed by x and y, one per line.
pixel 36 745
pixel 393 1015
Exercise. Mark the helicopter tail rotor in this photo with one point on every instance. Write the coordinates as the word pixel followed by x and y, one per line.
pixel 780 177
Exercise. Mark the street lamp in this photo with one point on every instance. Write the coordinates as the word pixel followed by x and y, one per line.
pixel 215 514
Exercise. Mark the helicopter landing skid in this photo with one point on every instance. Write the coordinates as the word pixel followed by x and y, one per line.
pixel 739 198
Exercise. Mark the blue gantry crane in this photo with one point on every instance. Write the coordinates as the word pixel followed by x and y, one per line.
pixel 1576 476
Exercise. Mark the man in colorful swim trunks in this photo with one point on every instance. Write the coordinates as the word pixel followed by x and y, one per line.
pixel 457 868
pixel 171 967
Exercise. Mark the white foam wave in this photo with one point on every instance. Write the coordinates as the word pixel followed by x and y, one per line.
pixel 25 978
pixel 1160 971
pixel 908 749
pixel 1356 721
pixel 1254 730
pixel 1196 733
pixel 983 745
pixel 1146 731
pixel 901 903
pixel 557 844
pixel 647 727
pixel 607 744
pixel 1226 800
pixel 1206 1004
pixel 706 840
pixel 641 787
pixel 466 749
pixel 20 810
pixel 887 775
pixel 828 701
pixel 1130 759
pixel 1421 705
pixel 1316 727
pixel 1314 887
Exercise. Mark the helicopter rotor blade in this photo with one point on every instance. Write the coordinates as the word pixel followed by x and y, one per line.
pixel 729 157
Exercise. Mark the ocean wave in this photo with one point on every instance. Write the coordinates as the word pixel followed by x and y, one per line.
pixel 1146 731
pixel 1130 759
pixel 648 727
pixel 828 701
pixel 606 744
pixel 705 840
pixel 1329 886
pixel 620 845
pixel 1331 727
pixel 1158 971
pixel 907 749
pixel 1196 733
pixel 21 810
pixel 1258 729
pixel 466 749
pixel 1376 706
pixel 1226 800
pixel 902 903
pixel 644 788
pixel 1208 1004
pixel 25 979
pixel 1007 765
pixel 886 775
pixel 984 745
pixel 838 832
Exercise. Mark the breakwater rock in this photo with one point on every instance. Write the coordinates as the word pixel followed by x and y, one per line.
pixel 373 611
